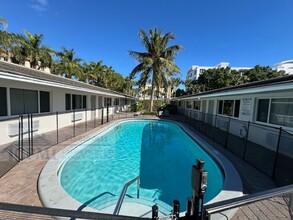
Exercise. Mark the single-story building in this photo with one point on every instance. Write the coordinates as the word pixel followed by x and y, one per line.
pixel 268 102
pixel 28 91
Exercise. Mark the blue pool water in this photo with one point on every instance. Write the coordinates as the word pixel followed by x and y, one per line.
pixel 161 153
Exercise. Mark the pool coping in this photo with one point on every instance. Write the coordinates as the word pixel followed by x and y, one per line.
pixel 54 196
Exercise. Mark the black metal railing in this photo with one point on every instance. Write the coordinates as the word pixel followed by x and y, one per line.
pixel 32 133
pixel 267 148
pixel 285 192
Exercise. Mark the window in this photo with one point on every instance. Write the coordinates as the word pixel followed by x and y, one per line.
pixel 229 108
pixel 237 108
pixel 76 102
pixel 44 101
pixel 263 110
pixel 67 101
pixel 179 103
pixel 116 101
pixel 196 105
pixel 281 112
pixel 188 104
pixel 84 102
pixel 220 110
pixel 126 101
pixel 23 101
pixel 107 101
pixel 211 107
pixel 3 101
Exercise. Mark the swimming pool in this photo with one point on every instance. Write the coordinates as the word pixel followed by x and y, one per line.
pixel 85 175
pixel 160 152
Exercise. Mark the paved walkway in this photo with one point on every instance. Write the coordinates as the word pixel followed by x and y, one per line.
pixel 19 185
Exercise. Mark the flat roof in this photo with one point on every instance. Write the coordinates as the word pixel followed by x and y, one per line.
pixel 20 70
pixel 257 86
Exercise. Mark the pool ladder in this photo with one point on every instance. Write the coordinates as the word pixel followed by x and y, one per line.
pixel 123 193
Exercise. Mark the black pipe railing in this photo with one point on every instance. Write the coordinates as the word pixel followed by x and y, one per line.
pixel 266 156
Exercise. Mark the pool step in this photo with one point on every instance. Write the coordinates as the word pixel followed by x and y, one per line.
pixel 139 207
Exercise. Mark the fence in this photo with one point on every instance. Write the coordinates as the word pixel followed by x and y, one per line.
pixel 25 135
pixel 269 149
pixel 275 204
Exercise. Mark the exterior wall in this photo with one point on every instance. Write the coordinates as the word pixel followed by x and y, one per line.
pixel 248 105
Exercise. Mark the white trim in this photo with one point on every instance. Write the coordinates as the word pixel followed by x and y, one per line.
pixel 241 91
pixel 25 79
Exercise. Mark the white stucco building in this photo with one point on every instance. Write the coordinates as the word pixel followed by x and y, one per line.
pixel 195 70
pixel 286 66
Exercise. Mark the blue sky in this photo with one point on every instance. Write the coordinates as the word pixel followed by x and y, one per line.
pixel 241 32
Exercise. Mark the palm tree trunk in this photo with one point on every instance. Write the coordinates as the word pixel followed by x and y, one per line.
pixel 152 93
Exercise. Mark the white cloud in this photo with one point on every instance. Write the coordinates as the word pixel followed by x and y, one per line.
pixel 39 5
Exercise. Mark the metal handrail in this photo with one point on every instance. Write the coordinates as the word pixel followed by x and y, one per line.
pixel 123 193
pixel 245 200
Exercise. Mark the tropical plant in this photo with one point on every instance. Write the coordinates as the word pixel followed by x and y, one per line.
pixel 157 62
pixel 6 42
pixel 29 47
pixel 261 73
pixel 174 83
pixel 4 23
pixel 68 66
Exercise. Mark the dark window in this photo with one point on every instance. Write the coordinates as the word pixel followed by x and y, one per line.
pixel 3 101
pixel 76 101
pixel 107 101
pixel 44 101
pixel 281 112
pixel 228 107
pixel 84 102
pixel 23 101
pixel 68 101
pixel 220 110
pixel 263 109
pixel 237 108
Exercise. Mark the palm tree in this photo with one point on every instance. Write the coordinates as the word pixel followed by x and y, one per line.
pixel 174 83
pixel 68 65
pixel 6 42
pixel 4 23
pixel 29 47
pixel 157 62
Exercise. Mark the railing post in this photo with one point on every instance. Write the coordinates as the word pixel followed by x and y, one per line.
pixel 215 127
pixel 21 137
pixel 32 134
pixel 155 212
pixel 29 134
pixel 138 187
pixel 246 140
pixel 95 114
pixel 227 132
pixel 102 122
pixel 176 209
pixel 73 122
pixel 57 127
pixel 277 152
pixel 85 119
pixel 107 113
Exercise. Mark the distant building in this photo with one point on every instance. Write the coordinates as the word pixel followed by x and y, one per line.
pixel 194 72
pixel 286 66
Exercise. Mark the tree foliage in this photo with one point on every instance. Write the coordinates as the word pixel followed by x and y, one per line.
pixel 157 62
pixel 223 77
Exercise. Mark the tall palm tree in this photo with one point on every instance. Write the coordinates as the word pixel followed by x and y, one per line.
pixel 6 42
pixel 68 65
pixel 157 62
pixel 29 47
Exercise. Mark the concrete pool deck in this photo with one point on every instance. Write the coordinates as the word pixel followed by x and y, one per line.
pixel 19 185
